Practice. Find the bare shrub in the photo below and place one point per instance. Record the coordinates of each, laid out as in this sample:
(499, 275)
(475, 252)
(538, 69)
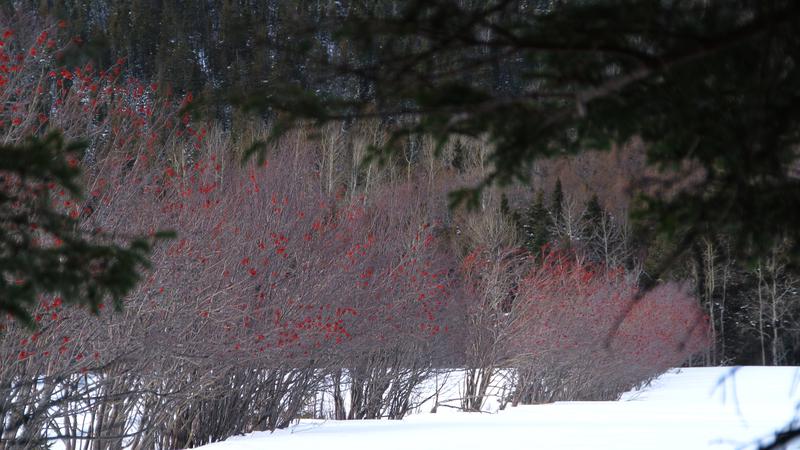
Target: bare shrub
(564, 313)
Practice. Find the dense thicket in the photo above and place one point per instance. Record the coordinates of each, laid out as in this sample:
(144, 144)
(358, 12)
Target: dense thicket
(259, 47)
(303, 278)
(43, 250)
(279, 294)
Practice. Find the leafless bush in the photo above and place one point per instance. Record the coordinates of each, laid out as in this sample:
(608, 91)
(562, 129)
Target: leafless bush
(564, 315)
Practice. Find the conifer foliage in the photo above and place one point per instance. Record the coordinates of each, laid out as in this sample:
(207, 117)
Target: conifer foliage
(710, 89)
(42, 248)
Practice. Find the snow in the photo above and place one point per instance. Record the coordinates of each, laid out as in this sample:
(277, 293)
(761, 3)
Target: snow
(693, 408)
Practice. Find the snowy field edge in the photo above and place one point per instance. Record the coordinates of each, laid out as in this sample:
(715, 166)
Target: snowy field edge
(689, 408)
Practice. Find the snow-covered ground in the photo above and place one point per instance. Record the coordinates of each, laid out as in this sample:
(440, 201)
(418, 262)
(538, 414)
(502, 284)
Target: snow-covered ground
(698, 408)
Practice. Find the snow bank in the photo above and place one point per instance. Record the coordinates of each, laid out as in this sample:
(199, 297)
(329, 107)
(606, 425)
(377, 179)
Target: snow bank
(697, 408)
